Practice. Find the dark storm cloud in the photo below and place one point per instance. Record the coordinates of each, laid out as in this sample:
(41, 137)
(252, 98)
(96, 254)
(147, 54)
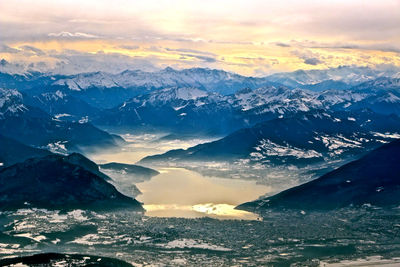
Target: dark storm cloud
(312, 61)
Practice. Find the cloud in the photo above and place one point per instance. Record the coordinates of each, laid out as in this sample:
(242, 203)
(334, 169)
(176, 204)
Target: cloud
(193, 51)
(6, 49)
(282, 44)
(380, 46)
(186, 53)
(72, 35)
(32, 49)
(308, 57)
(202, 58)
(237, 35)
(129, 47)
(73, 62)
(312, 61)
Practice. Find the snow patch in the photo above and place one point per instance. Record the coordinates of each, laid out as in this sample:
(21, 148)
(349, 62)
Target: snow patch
(84, 120)
(268, 148)
(338, 142)
(58, 147)
(37, 238)
(61, 115)
(78, 215)
(387, 135)
(192, 244)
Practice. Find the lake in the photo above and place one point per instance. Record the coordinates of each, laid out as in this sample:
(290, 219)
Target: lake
(178, 192)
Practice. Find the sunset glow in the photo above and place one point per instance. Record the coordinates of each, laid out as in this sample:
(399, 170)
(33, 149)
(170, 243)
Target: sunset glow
(256, 39)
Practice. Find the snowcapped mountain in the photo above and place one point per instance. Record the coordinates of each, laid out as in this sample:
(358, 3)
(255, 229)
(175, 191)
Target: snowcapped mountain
(207, 79)
(274, 99)
(85, 80)
(182, 109)
(106, 90)
(193, 110)
(210, 80)
(347, 74)
(183, 97)
(169, 94)
(382, 83)
(11, 103)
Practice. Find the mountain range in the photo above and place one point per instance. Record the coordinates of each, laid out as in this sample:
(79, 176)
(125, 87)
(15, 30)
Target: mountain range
(193, 110)
(58, 111)
(306, 137)
(325, 78)
(106, 90)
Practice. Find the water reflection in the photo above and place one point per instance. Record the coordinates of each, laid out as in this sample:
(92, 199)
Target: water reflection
(178, 192)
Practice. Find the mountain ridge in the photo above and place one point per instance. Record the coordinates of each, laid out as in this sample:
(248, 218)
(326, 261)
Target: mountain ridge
(371, 180)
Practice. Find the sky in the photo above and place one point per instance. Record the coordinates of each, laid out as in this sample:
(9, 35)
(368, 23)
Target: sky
(253, 38)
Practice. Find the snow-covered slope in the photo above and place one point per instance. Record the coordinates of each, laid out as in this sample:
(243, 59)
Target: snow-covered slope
(11, 103)
(382, 83)
(207, 79)
(175, 93)
(85, 80)
(347, 74)
(275, 100)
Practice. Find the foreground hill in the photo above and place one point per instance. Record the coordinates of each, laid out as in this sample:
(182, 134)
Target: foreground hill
(373, 179)
(56, 182)
(58, 259)
(12, 152)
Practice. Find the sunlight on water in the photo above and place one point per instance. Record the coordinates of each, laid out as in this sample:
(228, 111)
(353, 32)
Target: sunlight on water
(178, 192)
(224, 211)
(218, 211)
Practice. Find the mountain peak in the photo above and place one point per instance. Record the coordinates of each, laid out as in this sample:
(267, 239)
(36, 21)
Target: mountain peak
(11, 102)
